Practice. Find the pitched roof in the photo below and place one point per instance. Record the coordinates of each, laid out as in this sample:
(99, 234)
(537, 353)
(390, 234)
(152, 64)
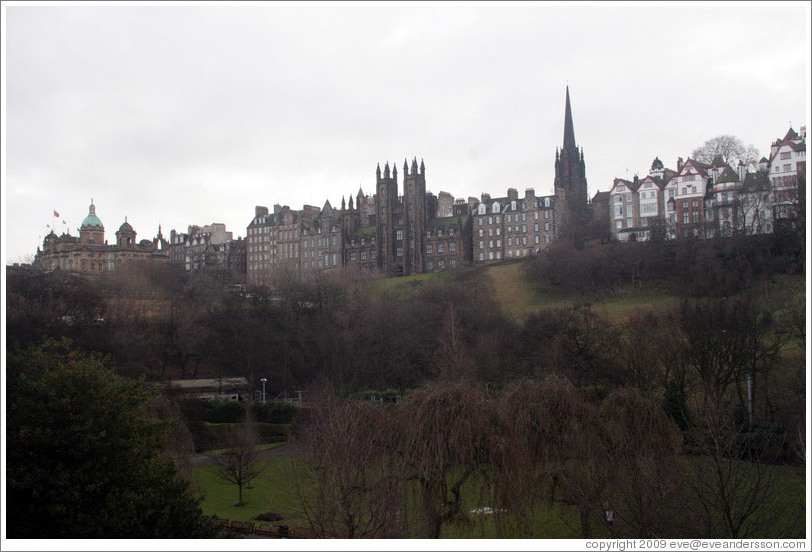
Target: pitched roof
(791, 134)
(756, 182)
(728, 175)
(619, 182)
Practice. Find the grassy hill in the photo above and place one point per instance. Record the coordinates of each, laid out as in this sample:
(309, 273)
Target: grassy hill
(520, 298)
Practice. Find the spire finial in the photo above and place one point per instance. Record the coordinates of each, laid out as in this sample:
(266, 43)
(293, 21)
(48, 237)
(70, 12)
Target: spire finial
(569, 131)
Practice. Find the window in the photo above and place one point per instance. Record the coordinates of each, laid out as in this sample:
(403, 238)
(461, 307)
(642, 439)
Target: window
(629, 210)
(440, 247)
(480, 221)
(524, 216)
(685, 217)
(429, 248)
(452, 246)
(787, 168)
(498, 231)
(694, 203)
(399, 252)
(482, 245)
(536, 215)
(537, 238)
(490, 231)
(695, 216)
(546, 226)
(618, 199)
(352, 255)
(481, 233)
(546, 214)
(490, 220)
(363, 255)
(786, 155)
(399, 235)
(547, 239)
(497, 219)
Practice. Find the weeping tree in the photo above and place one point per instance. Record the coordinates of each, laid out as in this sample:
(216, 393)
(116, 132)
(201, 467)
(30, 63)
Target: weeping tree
(558, 436)
(347, 487)
(444, 436)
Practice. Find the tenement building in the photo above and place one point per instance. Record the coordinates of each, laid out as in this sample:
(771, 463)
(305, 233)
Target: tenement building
(510, 227)
(207, 248)
(90, 254)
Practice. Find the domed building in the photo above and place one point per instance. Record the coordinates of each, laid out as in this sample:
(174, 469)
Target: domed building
(90, 254)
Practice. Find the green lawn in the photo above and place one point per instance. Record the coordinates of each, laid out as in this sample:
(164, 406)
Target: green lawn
(274, 491)
(271, 491)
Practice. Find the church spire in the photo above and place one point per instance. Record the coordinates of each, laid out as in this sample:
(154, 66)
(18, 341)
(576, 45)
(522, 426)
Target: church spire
(569, 130)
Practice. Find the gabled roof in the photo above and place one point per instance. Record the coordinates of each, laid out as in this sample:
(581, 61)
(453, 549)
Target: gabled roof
(791, 134)
(728, 175)
(622, 182)
(700, 167)
(756, 182)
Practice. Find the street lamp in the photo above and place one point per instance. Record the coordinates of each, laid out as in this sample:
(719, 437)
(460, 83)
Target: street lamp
(263, 380)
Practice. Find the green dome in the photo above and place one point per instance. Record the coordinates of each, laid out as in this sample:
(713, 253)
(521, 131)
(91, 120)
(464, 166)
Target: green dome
(91, 219)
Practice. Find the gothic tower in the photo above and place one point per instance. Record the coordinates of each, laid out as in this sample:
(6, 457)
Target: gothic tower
(570, 171)
(414, 206)
(386, 189)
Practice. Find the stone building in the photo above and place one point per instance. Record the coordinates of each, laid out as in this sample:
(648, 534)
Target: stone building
(207, 248)
(90, 254)
(509, 227)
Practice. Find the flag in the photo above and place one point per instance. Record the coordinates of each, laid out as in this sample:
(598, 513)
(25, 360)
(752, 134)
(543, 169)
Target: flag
(56, 214)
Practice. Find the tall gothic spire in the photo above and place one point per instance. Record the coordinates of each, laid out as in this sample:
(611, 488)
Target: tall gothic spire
(569, 130)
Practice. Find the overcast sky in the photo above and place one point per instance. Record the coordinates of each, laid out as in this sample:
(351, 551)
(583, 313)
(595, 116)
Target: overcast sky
(187, 114)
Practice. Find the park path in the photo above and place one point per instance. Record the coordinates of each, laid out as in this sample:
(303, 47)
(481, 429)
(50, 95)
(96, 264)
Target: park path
(288, 449)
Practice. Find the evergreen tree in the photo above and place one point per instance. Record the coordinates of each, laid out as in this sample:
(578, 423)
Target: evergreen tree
(86, 457)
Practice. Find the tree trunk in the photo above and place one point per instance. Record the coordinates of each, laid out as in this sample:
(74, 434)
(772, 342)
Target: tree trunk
(586, 525)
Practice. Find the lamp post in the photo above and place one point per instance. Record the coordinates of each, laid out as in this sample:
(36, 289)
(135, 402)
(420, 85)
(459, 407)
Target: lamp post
(263, 380)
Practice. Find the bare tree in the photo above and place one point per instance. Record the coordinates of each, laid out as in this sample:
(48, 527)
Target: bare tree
(347, 488)
(731, 148)
(733, 484)
(239, 462)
